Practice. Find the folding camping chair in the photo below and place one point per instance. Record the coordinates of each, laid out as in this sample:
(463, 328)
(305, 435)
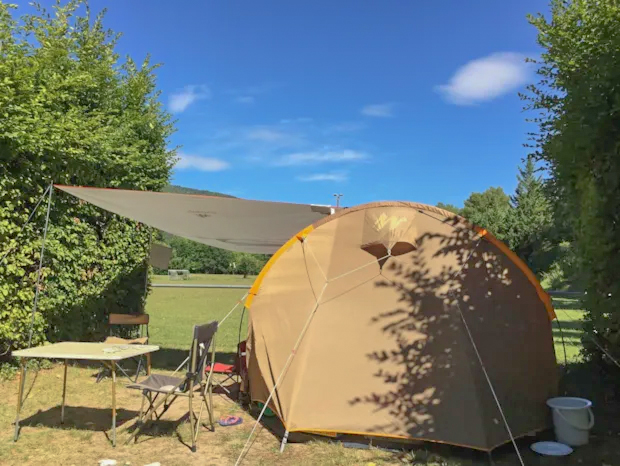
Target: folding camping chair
(128, 320)
(163, 390)
(230, 371)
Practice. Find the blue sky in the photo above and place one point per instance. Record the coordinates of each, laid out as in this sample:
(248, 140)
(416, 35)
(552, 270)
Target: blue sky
(294, 101)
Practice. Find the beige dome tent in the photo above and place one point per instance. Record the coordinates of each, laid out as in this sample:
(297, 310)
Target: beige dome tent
(401, 320)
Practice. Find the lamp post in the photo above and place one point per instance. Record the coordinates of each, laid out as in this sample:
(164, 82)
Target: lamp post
(338, 196)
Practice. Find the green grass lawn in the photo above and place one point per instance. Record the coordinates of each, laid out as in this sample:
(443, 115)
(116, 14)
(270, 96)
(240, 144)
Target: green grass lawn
(173, 313)
(203, 278)
(569, 315)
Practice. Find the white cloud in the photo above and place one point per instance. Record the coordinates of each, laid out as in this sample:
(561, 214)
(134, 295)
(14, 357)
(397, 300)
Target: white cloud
(249, 94)
(179, 101)
(245, 99)
(346, 127)
(317, 157)
(286, 121)
(205, 164)
(266, 134)
(332, 176)
(379, 110)
(486, 78)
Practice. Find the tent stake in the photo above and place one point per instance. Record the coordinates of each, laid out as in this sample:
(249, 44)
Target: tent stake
(284, 440)
(38, 285)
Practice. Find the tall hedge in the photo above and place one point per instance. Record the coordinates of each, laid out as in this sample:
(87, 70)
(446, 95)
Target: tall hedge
(72, 112)
(578, 100)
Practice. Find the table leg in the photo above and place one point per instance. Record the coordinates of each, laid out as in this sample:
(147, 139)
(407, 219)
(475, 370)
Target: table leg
(64, 395)
(148, 364)
(22, 381)
(113, 369)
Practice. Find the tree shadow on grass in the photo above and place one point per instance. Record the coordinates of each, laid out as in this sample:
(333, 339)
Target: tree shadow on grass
(568, 304)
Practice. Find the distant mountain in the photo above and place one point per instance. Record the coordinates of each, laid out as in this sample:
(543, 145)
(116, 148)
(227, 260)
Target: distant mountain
(171, 188)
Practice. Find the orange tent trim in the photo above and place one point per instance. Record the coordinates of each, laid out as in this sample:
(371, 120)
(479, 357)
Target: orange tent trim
(542, 294)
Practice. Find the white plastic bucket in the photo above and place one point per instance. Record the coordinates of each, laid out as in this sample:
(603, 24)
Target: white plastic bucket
(572, 419)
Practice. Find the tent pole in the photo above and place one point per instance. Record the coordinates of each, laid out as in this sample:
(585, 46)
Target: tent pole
(38, 284)
(284, 440)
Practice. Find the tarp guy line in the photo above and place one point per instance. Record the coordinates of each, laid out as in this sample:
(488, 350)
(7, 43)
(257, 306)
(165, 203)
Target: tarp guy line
(26, 223)
(38, 283)
(218, 326)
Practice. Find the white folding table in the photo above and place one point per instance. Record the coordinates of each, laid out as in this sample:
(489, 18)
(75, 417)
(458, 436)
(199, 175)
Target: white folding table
(107, 353)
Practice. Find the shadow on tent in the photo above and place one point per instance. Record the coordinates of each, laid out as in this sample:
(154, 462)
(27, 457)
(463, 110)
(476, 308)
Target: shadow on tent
(434, 352)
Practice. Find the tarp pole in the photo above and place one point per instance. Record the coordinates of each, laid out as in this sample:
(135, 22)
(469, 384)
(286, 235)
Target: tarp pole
(146, 271)
(6, 254)
(38, 284)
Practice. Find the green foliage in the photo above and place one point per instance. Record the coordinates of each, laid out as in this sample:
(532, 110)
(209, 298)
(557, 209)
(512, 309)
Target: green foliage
(72, 113)
(199, 258)
(577, 101)
(531, 219)
(249, 264)
(563, 273)
(491, 210)
(183, 190)
(450, 208)
(8, 370)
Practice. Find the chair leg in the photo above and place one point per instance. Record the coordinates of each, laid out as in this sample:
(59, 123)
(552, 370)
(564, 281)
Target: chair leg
(210, 389)
(148, 415)
(198, 424)
(138, 370)
(166, 407)
(101, 374)
(191, 414)
(142, 408)
(209, 411)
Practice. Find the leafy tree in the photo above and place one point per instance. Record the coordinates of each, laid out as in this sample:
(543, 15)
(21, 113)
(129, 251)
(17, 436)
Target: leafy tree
(450, 208)
(491, 210)
(71, 112)
(577, 105)
(530, 219)
(248, 264)
(199, 258)
(171, 188)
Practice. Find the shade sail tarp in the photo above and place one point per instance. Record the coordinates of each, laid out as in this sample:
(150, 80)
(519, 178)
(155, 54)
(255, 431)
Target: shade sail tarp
(228, 223)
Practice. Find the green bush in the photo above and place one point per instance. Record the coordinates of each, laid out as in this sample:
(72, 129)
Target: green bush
(577, 101)
(72, 113)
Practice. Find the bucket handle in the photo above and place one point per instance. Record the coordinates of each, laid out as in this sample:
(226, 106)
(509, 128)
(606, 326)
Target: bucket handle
(590, 422)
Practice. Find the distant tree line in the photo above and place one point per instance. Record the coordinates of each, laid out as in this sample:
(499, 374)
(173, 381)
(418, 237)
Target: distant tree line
(527, 223)
(200, 258)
